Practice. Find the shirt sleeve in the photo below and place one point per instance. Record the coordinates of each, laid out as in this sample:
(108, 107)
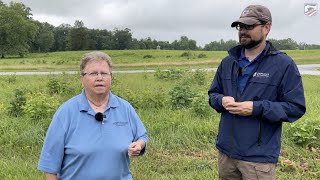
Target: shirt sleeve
(53, 147)
(138, 129)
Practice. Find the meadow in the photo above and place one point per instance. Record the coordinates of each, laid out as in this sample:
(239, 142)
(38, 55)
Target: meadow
(172, 105)
(136, 59)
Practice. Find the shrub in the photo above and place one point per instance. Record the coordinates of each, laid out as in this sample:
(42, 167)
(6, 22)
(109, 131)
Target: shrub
(17, 103)
(181, 96)
(41, 106)
(59, 85)
(147, 56)
(186, 54)
(153, 98)
(200, 77)
(171, 74)
(54, 86)
(201, 55)
(306, 133)
(200, 106)
(129, 96)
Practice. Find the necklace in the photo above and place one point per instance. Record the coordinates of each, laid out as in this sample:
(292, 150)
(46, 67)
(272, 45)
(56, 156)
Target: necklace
(95, 106)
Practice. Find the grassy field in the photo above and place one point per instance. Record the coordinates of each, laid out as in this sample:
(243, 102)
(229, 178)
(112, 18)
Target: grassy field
(136, 59)
(182, 140)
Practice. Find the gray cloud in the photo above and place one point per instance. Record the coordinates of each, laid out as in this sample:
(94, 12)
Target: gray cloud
(201, 20)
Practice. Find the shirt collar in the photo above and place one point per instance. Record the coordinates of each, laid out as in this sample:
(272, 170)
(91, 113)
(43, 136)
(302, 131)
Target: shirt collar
(84, 104)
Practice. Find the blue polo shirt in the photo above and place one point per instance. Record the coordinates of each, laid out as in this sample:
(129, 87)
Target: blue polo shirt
(79, 147)
(247, 67)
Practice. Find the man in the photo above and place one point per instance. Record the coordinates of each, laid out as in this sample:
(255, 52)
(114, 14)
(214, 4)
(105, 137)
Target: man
(255, 88)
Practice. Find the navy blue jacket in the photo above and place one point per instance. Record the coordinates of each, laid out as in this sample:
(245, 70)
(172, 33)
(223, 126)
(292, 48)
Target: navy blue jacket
(275, 87)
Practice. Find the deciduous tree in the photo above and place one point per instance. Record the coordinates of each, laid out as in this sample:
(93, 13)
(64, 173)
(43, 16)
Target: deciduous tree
(17, 29)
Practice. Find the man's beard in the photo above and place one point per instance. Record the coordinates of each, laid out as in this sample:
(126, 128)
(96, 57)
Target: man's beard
(249, 44)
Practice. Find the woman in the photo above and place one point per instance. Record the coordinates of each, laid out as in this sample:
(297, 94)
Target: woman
(92, 135)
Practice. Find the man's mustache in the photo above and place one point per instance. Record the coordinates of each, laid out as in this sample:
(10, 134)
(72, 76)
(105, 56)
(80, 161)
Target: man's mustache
(244, 36)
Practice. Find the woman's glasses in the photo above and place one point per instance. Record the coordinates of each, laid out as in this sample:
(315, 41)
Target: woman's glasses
(96, 74)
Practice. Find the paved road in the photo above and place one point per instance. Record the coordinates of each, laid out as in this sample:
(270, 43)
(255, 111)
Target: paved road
(310, 69)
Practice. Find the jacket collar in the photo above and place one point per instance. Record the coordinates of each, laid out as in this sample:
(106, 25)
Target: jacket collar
(235, 52)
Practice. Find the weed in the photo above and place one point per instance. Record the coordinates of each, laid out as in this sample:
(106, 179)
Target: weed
(147, 56)
(306, 133)
(17, 103)
(181, 96)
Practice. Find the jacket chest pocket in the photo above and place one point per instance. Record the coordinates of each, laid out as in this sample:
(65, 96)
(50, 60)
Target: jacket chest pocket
(228, 85)
(263, 88)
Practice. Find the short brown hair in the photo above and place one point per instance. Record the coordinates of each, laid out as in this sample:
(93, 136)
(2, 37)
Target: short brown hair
(94, 56)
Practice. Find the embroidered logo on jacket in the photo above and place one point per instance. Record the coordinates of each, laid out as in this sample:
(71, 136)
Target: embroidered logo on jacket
(260, 75)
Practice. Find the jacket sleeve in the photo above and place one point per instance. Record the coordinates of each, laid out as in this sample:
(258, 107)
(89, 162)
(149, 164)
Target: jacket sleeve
(290, 105)
(215, 92)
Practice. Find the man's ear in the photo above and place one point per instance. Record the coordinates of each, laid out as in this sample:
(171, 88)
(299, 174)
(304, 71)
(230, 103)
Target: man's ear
(268, 27)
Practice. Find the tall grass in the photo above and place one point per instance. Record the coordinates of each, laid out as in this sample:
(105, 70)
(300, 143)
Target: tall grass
(181, 142)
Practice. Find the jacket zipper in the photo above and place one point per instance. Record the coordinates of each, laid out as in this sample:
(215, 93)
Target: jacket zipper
(256, 98)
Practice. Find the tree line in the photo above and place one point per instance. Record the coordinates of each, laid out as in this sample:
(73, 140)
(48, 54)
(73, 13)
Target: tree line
(20, 34)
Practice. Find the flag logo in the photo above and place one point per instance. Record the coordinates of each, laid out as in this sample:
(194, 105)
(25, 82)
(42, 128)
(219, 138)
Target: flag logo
(310, 9)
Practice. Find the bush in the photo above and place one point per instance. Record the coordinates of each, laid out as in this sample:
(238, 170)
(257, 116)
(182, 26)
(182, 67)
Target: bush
(41, 106)
(54, 86)
(181, 96)
(153, 98)
(201, 55)
(306, 133)
(129, 96)
(200, 106)
(59, 85)
(200, 77)
(187, 54)
(17, 103)
(147, 56)
(170, 74)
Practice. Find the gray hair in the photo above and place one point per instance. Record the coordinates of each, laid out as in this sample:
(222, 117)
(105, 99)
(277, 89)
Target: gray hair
(95, 56)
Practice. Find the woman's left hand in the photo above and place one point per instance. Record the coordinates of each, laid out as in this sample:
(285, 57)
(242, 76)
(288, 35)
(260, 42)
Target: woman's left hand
(135, 148)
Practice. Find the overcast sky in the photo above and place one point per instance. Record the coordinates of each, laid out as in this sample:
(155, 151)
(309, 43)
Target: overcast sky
(168, 20)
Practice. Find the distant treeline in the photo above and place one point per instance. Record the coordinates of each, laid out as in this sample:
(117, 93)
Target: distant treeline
(20, 34)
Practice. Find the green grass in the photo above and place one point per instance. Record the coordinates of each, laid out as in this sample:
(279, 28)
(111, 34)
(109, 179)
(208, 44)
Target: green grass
(135, 59)
(181, 143)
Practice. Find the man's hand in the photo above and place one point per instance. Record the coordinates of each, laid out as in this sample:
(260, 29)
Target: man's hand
(135, 148)
(226, 101)
(240, 108)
